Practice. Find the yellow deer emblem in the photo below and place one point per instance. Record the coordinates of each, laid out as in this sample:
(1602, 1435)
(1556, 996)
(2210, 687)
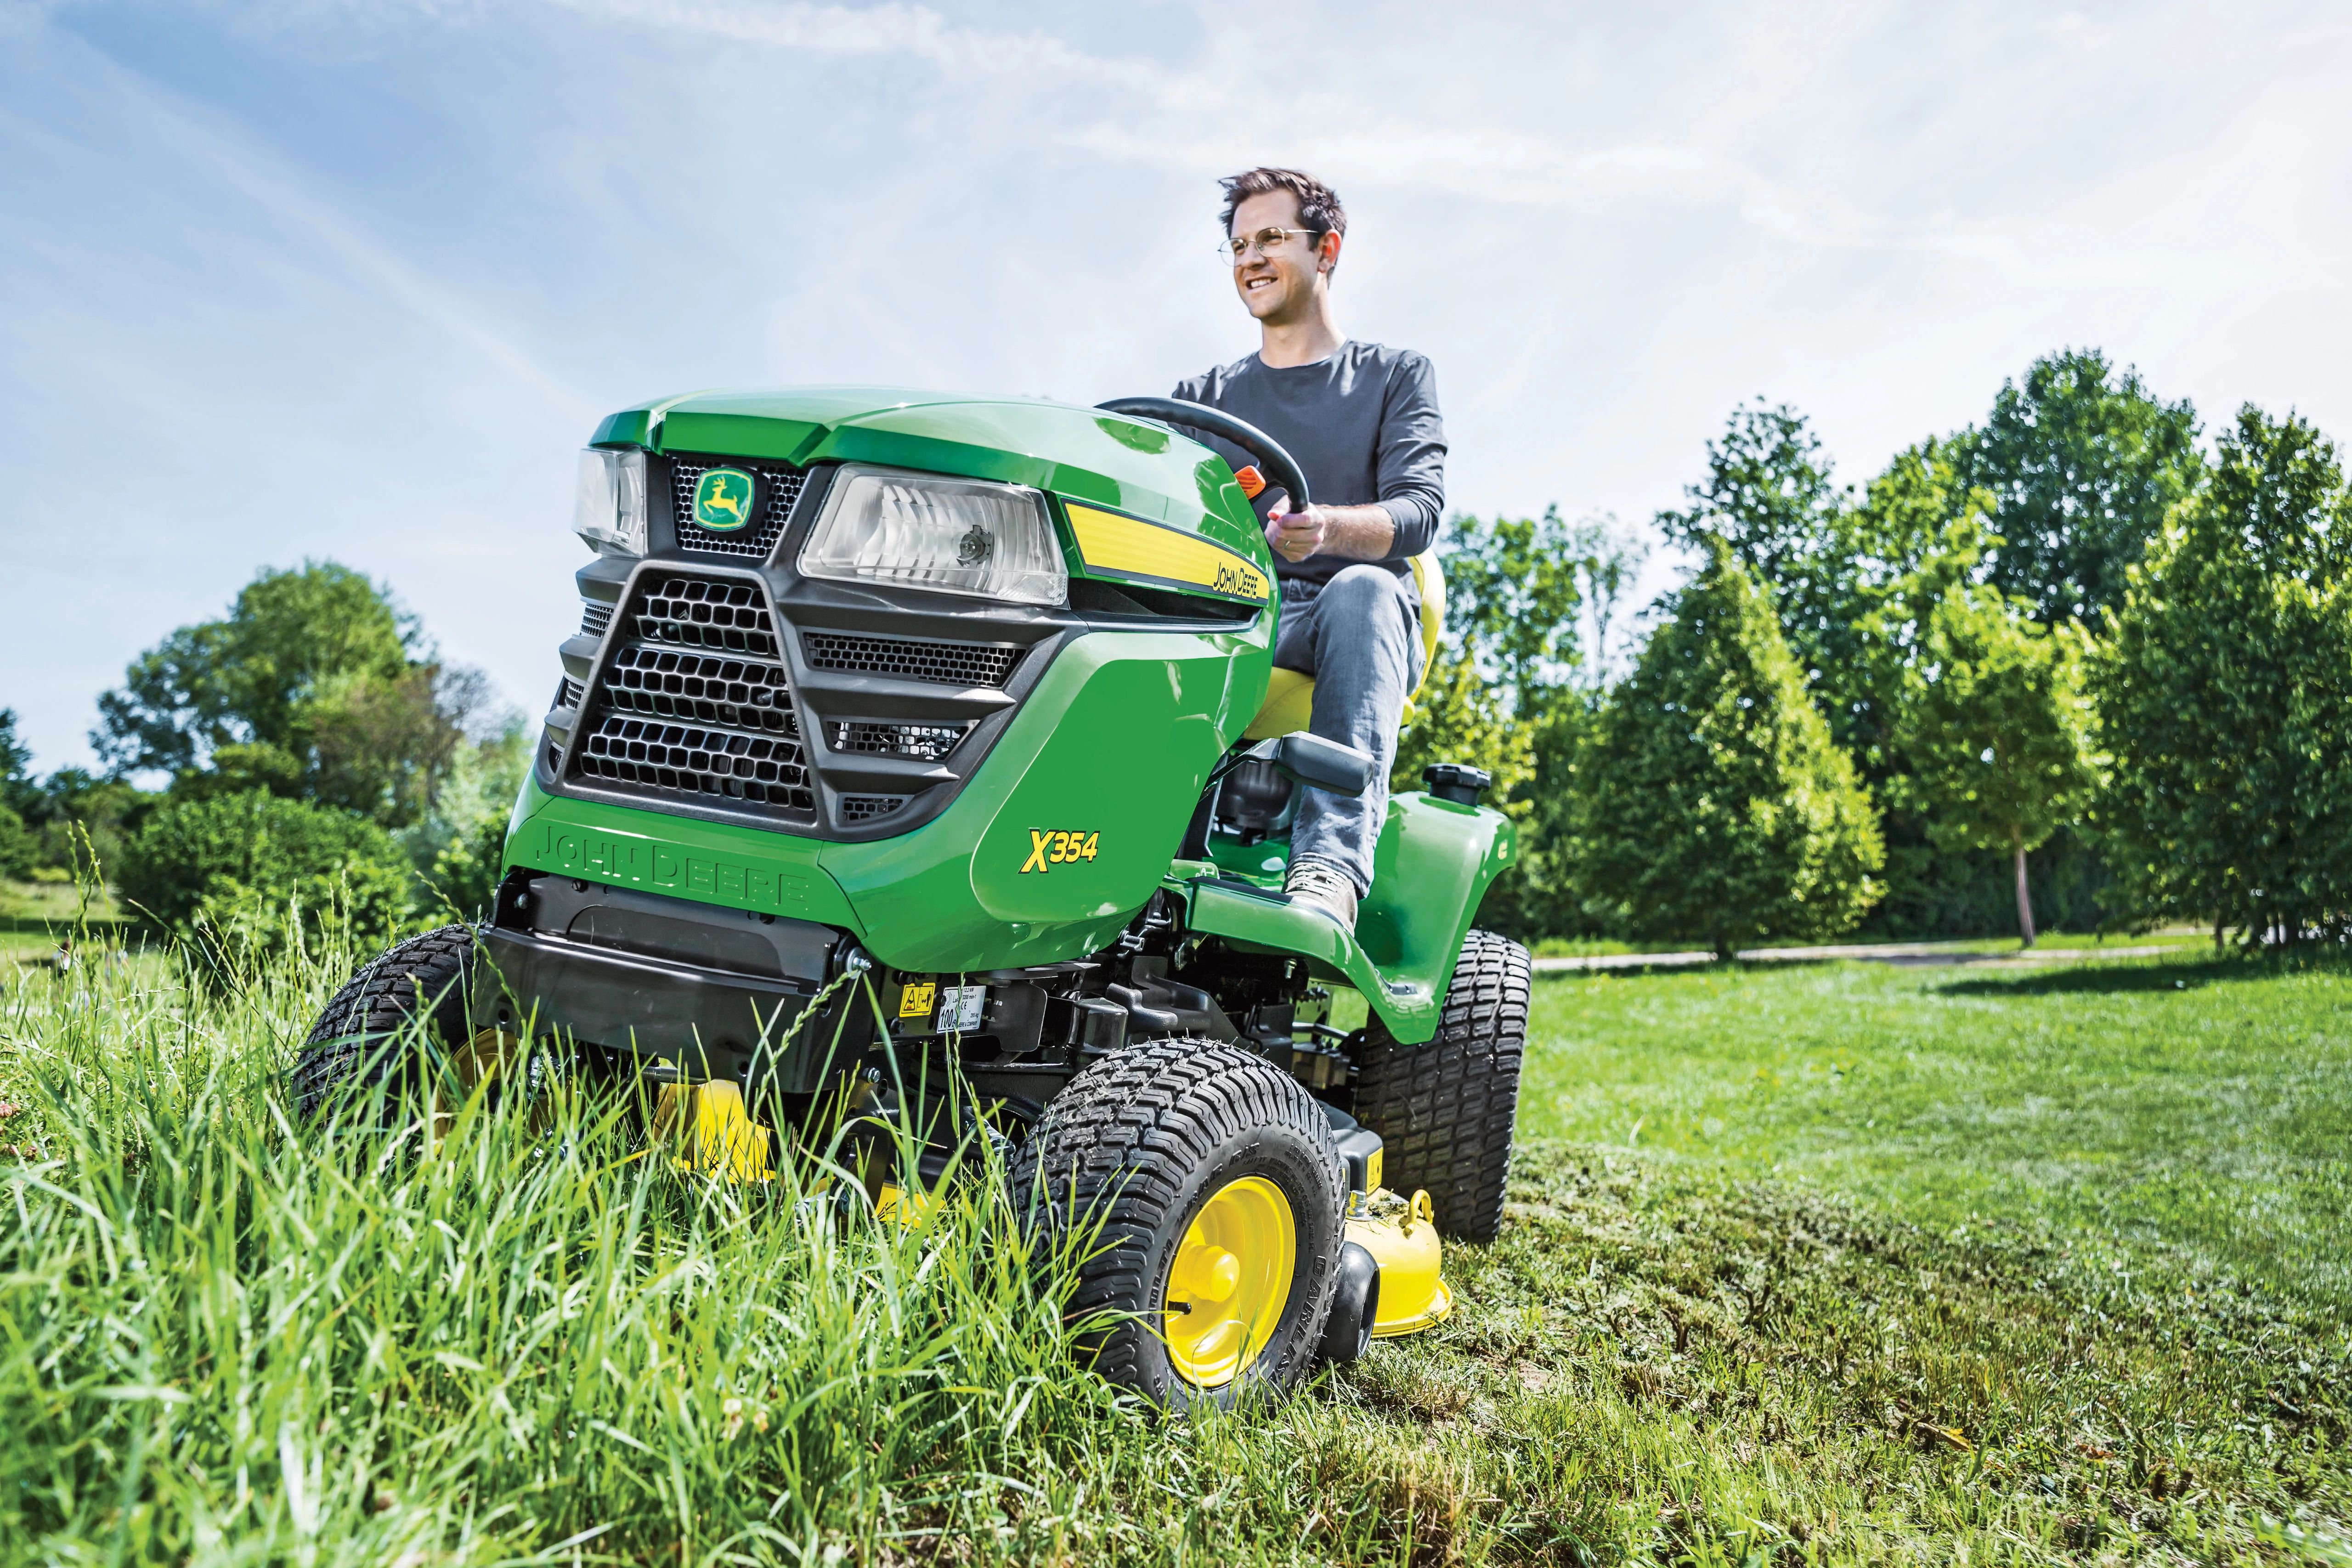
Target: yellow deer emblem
(720, 496)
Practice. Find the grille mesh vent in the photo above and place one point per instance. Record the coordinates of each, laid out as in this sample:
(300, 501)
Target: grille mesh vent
(928, 742)
(594, 618)
(694, 701)
(694, 760)
(866, 807)
(744, 694)
(948, 663)
(779, 486)
(702, 612)
(568, 695)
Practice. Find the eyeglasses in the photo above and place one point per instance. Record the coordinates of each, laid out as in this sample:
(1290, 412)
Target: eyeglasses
(1263, 242)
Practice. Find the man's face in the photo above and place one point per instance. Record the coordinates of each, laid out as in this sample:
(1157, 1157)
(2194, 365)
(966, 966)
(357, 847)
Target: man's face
(1277, 286)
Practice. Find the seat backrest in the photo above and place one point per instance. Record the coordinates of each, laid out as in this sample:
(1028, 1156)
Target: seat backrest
(1429, 577)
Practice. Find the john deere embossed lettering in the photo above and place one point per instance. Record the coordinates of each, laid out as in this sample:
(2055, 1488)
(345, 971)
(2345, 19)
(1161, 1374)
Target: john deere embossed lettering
(933, 715)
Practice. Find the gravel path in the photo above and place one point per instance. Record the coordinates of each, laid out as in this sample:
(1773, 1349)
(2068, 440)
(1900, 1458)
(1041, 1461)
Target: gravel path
(1907, 953)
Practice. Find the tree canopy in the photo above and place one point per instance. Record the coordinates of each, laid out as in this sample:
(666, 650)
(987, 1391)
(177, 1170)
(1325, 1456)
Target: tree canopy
(313, 684)
(2082, 464)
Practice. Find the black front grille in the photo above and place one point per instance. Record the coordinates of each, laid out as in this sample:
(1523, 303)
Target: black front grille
(948, 663)
(779, 486)
(568, 694)
(929, 742)
(867, 808)
(594, 618)
(693, 700)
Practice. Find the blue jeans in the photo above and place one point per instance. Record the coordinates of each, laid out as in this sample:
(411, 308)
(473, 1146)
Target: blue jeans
(1360, 637)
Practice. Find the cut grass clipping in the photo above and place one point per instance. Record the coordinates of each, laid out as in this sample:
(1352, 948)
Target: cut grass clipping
(1808, 1334)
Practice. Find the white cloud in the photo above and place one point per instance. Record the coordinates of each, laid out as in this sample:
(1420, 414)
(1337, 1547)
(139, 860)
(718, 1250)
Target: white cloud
(353, 278)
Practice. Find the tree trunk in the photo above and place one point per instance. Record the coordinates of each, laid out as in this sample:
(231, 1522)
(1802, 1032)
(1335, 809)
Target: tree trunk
(1723, 950)
(2025, 902)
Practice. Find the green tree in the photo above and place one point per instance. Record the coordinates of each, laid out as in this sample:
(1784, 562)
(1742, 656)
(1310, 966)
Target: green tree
(316, 664)
(1995, 730)
(1459, 717)
(1713, 801)
(17, 791)
(2082, 464)
(2225, 698)
(17, 844)
(77, 814)
(256, 868)
(1509, 687)
(1850, 580)
(458, 847)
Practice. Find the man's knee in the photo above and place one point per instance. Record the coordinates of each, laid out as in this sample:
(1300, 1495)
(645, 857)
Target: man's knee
(1366, 603)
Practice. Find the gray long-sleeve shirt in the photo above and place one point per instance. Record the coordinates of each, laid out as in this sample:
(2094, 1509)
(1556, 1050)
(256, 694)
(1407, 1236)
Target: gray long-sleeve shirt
(1363, 426)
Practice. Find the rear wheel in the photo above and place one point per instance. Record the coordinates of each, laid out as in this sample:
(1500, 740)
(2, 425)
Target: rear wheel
(1444, 1109)
(1202, 1186)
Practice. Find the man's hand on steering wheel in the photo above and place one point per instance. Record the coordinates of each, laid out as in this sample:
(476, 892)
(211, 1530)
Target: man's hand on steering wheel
(1352, 532)
(1295, 535)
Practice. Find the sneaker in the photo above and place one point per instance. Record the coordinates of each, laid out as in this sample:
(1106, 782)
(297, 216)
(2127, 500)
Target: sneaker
(1323, 887)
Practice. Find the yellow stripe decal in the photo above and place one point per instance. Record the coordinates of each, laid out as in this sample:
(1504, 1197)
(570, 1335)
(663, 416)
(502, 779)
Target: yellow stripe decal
(1131, 547)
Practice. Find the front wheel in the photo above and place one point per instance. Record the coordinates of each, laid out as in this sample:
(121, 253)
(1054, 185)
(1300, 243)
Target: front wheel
(415, 995)
(1201, 1191)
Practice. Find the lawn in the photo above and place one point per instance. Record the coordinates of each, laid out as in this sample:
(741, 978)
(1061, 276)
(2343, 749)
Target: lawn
(1808, 1263)
(33, 915)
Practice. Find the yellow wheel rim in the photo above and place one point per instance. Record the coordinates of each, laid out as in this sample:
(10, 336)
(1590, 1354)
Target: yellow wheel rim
(1230, 1281)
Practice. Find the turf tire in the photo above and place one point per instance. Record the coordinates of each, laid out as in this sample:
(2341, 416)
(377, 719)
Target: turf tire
(430, 974)
(1139, 1141)
(1444, 1110)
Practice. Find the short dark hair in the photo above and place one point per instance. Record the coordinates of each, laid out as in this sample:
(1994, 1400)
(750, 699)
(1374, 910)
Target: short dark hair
(1318, 204)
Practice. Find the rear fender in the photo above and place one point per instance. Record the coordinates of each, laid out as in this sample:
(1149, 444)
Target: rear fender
(1435, 862)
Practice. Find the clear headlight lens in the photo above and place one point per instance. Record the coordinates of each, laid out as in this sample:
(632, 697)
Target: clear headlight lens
(929, 530)
(609, 511)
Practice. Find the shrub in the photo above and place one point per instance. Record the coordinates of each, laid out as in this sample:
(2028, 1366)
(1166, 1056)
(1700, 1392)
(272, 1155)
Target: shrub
(255, 868)
(1712, 801)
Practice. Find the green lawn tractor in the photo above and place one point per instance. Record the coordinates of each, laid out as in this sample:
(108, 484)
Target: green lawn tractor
(967, 706)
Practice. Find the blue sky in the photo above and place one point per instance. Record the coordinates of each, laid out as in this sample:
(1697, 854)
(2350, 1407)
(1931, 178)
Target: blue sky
(301, 279)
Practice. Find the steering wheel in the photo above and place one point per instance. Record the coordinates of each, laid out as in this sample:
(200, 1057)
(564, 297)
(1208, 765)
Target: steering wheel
(1281, 472)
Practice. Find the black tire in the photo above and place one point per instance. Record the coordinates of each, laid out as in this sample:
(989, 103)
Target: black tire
(1137, 1144)
(1444, 1109)
(430, 974)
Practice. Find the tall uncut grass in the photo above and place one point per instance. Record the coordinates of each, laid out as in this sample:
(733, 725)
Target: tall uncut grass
(230, 1336)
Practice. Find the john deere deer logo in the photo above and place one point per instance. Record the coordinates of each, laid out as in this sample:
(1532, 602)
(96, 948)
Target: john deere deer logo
(722, 500)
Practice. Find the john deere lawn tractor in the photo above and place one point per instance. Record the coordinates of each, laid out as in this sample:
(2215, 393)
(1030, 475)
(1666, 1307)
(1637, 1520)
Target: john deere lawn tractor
(967, 706)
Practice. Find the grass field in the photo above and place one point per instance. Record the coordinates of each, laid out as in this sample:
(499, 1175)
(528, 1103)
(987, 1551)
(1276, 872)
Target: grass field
(1818, 1263)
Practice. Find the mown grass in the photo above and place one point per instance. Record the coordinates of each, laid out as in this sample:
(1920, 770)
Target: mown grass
(1899, 1266)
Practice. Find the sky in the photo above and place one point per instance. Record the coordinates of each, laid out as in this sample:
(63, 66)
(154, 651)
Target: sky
(296, 279)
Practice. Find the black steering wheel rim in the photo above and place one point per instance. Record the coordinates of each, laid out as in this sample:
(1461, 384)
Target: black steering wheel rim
(1282, 472)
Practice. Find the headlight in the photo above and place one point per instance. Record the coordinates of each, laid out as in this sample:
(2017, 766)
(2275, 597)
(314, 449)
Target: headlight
(947, 535)
(610, 509)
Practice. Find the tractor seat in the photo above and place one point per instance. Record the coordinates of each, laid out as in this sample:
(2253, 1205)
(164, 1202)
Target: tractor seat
(1290, 695)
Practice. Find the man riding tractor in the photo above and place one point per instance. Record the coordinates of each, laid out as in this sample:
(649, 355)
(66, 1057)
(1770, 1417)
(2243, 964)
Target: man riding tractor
(915, 746)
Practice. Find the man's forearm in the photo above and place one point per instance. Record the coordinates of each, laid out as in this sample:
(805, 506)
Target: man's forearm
(1351, 532)
(1359, 533)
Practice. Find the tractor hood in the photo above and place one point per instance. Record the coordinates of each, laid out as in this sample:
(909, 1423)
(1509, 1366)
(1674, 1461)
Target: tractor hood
(1083, 454)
